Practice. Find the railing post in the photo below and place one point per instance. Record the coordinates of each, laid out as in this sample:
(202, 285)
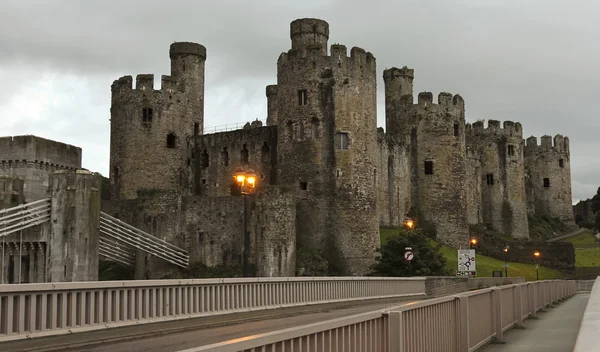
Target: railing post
(463, 323)
(532, 292)
(395, 333)
(497, 309)
(518, 306)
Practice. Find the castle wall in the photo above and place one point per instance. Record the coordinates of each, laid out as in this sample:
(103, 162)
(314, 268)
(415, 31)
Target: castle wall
(393, 180)
(152, 130)
(33, 159)
(222, 153)
(584, 215)
(548, 170)
(327, 143)
(500, 153)
(473, 180)
(11, 192)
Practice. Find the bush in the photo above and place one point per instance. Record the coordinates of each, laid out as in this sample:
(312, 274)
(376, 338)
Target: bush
(427, 261)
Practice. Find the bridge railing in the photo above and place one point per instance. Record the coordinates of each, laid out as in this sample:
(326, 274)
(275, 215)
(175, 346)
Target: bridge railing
(31, 310)
(462, 322)
(587, 338)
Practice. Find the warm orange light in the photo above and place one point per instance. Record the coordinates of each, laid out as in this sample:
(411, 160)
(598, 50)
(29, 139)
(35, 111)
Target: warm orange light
(409, 223)
(240, 177)
(536, 254)
(505, 250)
(245, 179)
(473, 241)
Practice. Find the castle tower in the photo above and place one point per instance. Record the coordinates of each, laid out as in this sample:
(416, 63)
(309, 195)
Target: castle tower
(548, 177)
(499, 178)
(437, 153)
(152, 130)
(271, 105)
(327, 141)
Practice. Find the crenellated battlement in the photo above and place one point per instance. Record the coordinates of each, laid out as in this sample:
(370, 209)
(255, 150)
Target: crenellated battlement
(144, 84)
(187, 48)
(509, 128)
(312, 55)
(394, 72)
(559, 143)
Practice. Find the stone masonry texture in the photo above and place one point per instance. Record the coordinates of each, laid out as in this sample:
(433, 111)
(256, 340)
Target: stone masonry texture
(328, 178)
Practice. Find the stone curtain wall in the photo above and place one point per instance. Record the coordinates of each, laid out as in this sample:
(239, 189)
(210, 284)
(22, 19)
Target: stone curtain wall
(33, 159)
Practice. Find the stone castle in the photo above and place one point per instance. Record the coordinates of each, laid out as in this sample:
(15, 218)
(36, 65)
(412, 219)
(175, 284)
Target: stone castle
(328, 177)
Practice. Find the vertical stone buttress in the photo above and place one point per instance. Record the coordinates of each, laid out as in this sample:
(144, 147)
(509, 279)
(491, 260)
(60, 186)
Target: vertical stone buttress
(275, 220)
(72, 247)
(151, 130)
(501, 177)
(327, 143)
(548, 171)
(436, 145)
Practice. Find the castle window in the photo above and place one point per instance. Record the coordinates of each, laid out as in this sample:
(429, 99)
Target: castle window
(341, 140)
(456, 129)
(303, 188)
(302, 97)
(428, 167)
(147, 116)
(205, 161)
(196, 128)
(115, 175)
(561, 162)
(489, 179)
(171, 140)
(511, 150)
(301, 130)
(264, 151)
(546, 182)
(225, 157)
(244, 155)
(375, 176)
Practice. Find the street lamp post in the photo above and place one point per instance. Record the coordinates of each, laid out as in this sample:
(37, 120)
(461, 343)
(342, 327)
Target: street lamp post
(537, 254)
(246, 181)
(505, 261)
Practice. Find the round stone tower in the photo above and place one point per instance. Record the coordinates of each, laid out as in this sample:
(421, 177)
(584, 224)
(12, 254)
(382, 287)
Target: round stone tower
(326, 118)
(152, 130)
(398, 86)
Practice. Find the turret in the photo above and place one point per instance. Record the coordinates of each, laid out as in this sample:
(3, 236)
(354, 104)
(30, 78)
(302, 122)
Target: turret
(398, 92)
(309, 33)
(271, 104)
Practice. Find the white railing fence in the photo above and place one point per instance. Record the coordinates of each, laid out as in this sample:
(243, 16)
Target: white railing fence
(462, 322)
(587, 338)
(31, 310)
(24, 216)
(116, 252)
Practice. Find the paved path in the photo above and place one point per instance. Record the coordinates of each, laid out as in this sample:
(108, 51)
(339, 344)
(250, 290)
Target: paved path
(554, 331)
(184, 334)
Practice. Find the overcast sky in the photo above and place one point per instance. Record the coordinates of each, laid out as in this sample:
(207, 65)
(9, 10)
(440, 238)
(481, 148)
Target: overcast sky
(537, 62)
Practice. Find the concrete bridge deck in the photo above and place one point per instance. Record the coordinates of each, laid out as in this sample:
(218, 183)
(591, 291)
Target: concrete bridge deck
(554, 331)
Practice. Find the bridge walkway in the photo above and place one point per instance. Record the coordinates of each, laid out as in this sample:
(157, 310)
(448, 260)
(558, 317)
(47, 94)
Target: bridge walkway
(554, 331)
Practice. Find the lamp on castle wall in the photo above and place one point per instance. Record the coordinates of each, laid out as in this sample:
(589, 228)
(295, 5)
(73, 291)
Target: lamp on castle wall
(473, 243)
(505, 261)
(245, 182)
(409, 223)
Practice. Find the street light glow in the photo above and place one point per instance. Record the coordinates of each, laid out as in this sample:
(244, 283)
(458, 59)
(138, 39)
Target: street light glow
(536, 254)
(409, 223)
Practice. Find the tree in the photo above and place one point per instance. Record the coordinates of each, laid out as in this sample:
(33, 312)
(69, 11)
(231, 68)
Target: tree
(596, 201)
(428, 261)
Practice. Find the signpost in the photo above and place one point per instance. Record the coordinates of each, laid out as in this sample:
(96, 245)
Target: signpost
(466, 262)
(409, 256)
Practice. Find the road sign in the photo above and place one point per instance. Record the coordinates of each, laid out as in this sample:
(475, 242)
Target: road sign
(408, 255)
(466, 260)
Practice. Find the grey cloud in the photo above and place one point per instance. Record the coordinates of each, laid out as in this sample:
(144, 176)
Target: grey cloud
(531, 62)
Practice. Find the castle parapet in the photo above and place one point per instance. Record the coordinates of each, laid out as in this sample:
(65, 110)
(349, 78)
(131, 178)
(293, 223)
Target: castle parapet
(395, 72)
(557, 143)
(187, 48)
(509, 128)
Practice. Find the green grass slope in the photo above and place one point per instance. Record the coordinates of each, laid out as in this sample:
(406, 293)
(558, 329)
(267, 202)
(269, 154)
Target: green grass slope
(485, 265)
(586, 254)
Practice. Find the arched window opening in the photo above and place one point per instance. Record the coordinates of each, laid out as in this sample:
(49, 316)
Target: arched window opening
(264, 151)
(244, 155)
(225, 157)
(314, 130)
(205, 160)
(171, 140)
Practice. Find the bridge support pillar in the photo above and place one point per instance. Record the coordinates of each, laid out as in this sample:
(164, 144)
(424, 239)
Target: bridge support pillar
(72, 246)
(141, 265)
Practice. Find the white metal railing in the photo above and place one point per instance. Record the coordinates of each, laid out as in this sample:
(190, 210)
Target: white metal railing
(462, 323)
(229, 127)
(24, 216)
(585, 286)
(136, 238)
(115, 251)
(35, 310)
(587, 338)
